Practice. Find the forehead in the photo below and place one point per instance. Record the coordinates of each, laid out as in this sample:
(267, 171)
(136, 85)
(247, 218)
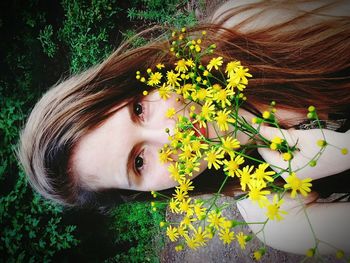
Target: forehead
(99, 159)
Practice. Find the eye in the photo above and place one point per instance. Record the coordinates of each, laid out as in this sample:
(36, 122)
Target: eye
(138, 109)
(138, 162)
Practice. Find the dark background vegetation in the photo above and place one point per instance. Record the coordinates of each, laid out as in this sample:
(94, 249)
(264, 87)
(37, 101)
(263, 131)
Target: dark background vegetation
(42, 42)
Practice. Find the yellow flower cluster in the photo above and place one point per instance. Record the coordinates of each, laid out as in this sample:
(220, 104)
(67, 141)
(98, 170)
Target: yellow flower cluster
(213, 90)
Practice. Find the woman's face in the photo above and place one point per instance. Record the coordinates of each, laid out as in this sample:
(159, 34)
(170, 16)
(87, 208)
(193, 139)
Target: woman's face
(123, 152)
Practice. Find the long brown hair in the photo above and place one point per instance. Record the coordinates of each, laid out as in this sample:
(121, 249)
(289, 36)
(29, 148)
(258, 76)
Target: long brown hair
(292, 64)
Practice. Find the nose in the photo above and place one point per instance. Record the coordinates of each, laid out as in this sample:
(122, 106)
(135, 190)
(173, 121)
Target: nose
(158, 132)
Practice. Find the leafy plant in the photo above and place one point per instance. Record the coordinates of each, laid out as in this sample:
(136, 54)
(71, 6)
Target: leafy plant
(85, 31)
(171, 13)
(137, 229)
(45, 37)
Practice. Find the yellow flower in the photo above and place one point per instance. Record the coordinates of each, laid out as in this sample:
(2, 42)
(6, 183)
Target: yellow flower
(164, 91)
(190, 63)
(154, 78)
(233, 82)
(261, 174)
(275, 143)
(257, 255)
(205, 73)
(321, 143)
(296, 184)
(339, 254)
(214, 157)
(273, 209)
(172, 233)
(174, 205)
(202, 94)
(310, 252)
(160, 66)
(277, 140)
(174, 171)
(180, 195)
(215, 220)
(245, 176)
(214, 63)
(222, 96)
(191, 165)
(199, 210)
(242, 240)
(256, 192)
(186, 153)
(230, 68)
(181, 66)
(287, 156)
(187, 221)
(197, 146)
(223, 119)
(242, 73)
(226, 235)
(170, 112)
(164, 155)
(186, 185)
(186, 207)
(191, 242)
(173, 78)
(179, 248)
(182, 230)
(232, 165)
(229, 144)
(200, 236)
(185, 90)
(208, 110)
(266, 115)
(226, 223)
(273, 146)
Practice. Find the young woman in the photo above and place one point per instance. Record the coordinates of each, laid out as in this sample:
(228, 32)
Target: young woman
(94, 133)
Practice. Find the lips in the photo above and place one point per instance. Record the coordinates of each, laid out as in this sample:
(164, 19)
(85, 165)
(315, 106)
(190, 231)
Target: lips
(200, 131)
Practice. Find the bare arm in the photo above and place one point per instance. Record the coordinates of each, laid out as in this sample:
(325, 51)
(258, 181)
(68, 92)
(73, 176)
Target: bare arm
(329, 221)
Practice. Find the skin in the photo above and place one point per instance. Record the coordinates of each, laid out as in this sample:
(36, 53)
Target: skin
(100, 158)
(106, 165)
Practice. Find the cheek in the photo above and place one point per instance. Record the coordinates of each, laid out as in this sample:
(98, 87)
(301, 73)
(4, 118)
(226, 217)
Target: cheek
(160, 178)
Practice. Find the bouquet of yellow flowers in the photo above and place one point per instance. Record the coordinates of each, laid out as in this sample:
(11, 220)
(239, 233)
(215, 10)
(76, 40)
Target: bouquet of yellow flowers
(214, 93)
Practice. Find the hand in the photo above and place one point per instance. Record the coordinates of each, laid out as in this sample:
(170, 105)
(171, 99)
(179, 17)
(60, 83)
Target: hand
(331, 161)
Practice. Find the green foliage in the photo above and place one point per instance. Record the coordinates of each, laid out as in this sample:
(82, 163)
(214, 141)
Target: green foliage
(137, 228)
(32, 231)
(85, 31)
(171, 13)
(45, 37)
(137, 41)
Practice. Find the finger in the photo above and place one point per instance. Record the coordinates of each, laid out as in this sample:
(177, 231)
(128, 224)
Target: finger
(273, 158)
(272, 132)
